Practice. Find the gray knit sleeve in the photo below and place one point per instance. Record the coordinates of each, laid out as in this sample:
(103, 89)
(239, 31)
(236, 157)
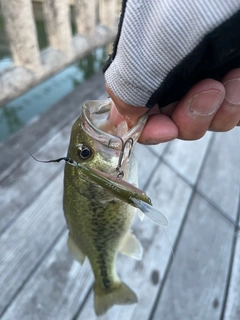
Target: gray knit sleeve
(165, 46)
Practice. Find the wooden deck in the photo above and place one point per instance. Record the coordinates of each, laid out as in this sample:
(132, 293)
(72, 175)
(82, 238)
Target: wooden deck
(190, 269)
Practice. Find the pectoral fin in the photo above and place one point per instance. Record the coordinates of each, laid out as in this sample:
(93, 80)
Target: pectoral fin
(75, 251)
(131, 246)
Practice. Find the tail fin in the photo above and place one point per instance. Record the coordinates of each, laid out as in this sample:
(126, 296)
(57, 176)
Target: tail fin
(121, 294)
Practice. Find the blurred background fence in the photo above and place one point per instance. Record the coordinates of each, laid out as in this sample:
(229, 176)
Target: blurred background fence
(73, 27)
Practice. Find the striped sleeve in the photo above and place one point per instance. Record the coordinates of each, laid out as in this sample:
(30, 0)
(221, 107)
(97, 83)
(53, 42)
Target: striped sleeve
(163, 47)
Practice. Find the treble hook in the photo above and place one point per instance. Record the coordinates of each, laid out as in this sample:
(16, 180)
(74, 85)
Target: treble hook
(119, 169)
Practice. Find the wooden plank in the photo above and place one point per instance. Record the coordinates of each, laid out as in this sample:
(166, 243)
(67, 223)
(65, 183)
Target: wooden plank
(205, 246)
(148, 159)
(220, 178)
(30, 178)
(232, 308)
(160, 148)
(197, 281)
(145, 276)
(56, 289)
(186, 156)
(25, 242)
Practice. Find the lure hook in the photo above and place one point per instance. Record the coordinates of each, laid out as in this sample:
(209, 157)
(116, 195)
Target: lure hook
(119, 170)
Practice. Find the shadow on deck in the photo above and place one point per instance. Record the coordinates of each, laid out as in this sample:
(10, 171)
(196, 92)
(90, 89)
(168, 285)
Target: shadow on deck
(196, 185)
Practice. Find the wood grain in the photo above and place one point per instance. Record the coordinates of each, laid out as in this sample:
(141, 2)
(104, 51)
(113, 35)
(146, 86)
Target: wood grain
(27, 240)
(55, 290)
(197, 281)
(232, 307)
(220, 178)
(186, 157)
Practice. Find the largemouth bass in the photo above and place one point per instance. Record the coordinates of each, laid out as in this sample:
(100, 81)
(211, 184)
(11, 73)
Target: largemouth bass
(101, 197)
(99, 222)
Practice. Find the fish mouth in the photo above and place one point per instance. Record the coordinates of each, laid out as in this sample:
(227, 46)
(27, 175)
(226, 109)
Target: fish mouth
(97, 123)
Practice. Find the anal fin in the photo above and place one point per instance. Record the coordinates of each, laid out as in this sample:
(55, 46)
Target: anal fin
(75, 251)
(131, 246)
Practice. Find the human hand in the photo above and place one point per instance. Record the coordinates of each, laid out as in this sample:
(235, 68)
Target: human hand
(208, 105)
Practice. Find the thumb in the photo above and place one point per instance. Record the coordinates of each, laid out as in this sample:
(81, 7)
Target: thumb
(122, 111)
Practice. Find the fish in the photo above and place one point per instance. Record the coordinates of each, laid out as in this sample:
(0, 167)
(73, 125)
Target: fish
(101, 197)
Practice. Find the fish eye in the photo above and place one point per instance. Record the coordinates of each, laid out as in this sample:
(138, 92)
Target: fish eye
(84, 152)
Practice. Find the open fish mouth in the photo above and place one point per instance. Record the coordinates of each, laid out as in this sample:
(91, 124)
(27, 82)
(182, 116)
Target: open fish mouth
(98, 124)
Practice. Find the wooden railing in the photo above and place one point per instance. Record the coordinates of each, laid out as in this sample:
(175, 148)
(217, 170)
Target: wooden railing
(95, 22)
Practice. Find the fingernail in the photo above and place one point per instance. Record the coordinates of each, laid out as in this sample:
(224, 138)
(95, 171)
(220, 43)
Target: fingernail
(233, 91)
(205, 103)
